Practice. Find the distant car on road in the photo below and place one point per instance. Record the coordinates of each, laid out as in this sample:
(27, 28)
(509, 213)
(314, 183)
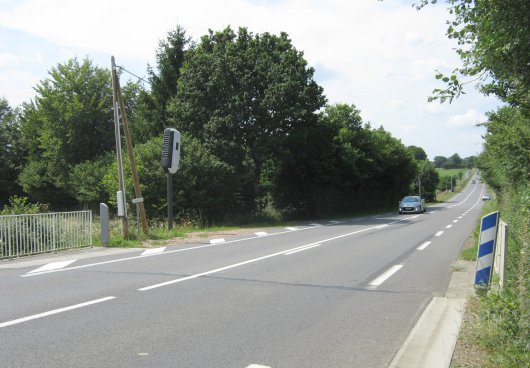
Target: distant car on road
(472, 181)
(486, 197)
(412, 204)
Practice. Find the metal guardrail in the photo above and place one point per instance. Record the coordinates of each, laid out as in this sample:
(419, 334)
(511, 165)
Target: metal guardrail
(22, 235)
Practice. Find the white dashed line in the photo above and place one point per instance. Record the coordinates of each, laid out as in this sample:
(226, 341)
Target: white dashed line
(306, 247)
(55, 311)
(455, 221)
(53, 266)
(424, 245)
(439, 233)
(385, 276)
(149, 252)
(449, 226)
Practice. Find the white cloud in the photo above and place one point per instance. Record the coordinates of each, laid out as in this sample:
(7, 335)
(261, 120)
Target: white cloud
(434, 107)
(396, 104)
(8, 58)
(470, 118)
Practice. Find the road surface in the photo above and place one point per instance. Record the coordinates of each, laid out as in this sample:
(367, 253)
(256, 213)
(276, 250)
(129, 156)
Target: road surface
(342, 293)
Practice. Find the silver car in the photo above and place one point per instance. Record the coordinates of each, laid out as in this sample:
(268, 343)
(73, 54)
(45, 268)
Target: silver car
(412, 204)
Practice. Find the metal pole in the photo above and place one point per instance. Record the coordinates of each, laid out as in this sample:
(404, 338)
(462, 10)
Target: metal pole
(169, 201)
(124, 223)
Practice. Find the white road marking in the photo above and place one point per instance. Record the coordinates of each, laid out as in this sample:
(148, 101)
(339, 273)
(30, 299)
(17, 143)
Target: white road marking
(336, 222)
(191, 277)
(424, 245)
(315, 224)
(306, 247)
(392, 270)
(217, 241)
(449, 226)
(149, 252)
(261, 233)
(258, 366)
(53, 266)
(55, 311)
(439, 233)
(455, 221)
(290, 228)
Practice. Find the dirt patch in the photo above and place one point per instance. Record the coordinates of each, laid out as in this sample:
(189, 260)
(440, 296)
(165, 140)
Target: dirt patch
(205, 236)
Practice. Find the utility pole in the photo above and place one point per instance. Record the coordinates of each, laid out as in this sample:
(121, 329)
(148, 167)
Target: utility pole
(136, 182)
(121, 181)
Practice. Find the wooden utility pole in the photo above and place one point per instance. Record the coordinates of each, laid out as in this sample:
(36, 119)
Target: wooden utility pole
(136, 182)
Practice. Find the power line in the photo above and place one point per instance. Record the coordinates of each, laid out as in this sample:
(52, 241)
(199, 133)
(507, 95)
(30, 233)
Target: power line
(134, 75)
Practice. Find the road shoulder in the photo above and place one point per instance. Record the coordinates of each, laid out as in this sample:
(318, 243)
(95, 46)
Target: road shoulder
(432, 340)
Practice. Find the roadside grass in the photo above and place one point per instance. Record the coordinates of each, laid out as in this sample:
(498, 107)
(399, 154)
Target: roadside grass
(458, 185)
(494, 332)
(158, 233)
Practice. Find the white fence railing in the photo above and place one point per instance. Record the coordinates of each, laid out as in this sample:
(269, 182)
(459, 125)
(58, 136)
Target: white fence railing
(22, 235)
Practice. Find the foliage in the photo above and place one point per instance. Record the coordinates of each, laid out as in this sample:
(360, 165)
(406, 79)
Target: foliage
(429, 180)
(87, 180)
(203, 184)
(70, 122)
(21, 206)
(243, 96)
(11, 151)
(505, 161)
(418, 153)
(493, 41)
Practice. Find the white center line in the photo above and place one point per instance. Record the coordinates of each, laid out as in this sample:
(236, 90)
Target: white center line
(302, 249)
(455, 221)
(449, 226)
(439, 233)
(424, 245)
(191, 277)
(55, 311)
(392, 270)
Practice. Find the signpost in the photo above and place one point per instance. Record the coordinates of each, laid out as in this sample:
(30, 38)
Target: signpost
(486, 248)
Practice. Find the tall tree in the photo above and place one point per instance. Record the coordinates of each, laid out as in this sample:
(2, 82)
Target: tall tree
(151, 116)
(71, 121)
(245, 96)
(439, 161)
(11, 152)
(418, 153)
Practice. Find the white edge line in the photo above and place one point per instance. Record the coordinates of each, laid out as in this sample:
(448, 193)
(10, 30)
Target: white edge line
(424, 245)
(261, 233)
(217, 241)
(55, 311)
(387, 274)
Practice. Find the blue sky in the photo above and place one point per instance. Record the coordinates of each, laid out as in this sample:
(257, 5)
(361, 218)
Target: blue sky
(378, 55)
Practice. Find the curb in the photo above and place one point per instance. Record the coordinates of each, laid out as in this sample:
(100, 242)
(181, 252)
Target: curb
(432, 341)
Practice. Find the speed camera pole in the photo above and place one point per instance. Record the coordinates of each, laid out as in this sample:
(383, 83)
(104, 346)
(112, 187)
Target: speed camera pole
(169, 201)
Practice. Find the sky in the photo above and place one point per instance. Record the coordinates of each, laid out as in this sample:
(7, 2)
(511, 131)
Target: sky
(380, 56)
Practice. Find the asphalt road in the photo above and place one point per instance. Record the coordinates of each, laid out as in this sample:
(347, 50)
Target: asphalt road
(342, 293)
